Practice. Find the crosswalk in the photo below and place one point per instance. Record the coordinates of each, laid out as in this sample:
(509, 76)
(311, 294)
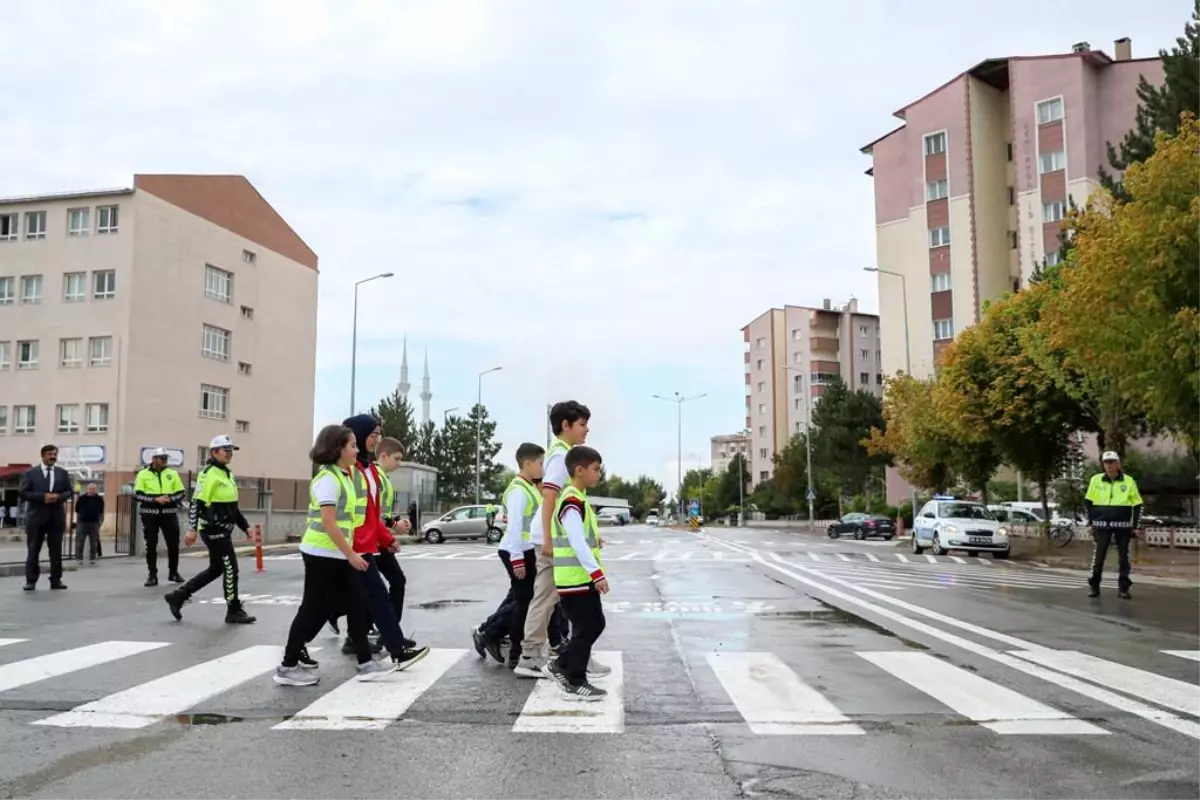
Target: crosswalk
(764, 693)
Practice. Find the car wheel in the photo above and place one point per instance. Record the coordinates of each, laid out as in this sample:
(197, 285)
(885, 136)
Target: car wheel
(833, 534)
(937, 548)
(916, 548)
(434, 536)
(494, 535)
(1001, 554)
(858, 534)
(887, 537)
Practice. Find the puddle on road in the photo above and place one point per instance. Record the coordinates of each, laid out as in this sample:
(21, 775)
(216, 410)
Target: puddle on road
(205, 719)
(832, 615)
(437, 605)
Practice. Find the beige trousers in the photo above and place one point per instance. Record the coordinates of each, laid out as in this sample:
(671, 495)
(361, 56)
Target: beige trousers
(545, 596)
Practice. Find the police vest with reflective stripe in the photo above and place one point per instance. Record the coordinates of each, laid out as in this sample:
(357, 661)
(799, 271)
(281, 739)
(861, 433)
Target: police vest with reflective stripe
(531, 506)
(217, 488)
(567, 569)
(557, 446)
(387, 493)
(315, 535)
(362, 492)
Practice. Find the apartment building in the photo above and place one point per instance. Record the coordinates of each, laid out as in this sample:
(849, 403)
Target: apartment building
(971, 189)
(158, 315)
(792, 354)
(722, 449)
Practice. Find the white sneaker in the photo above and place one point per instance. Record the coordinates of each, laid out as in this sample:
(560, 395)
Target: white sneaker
(530, 667)
(295, 676)
(597, 670)
(374, 670)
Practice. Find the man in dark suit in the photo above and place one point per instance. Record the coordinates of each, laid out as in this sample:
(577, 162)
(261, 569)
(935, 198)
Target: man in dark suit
(45, 489)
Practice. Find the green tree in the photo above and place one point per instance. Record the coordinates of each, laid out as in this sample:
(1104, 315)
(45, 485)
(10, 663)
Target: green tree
(841, 422)
(479, 423)
(395, 415)
(921, 447)
(728, 493)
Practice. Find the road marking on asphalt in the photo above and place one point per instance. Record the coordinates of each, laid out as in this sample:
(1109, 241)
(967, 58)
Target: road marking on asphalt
(878, 585)
(373, 705)
(549, 710)
(40, 668)
(958, 560)
(4, 642)
(773, 699)
(686, 556)
(978, 699)
(902, 557)
(1166, 692)
(979, 560)
(931, 559)
(872, 557)
(147, 703)
(814, 557)
(843, 556)
(1193, 655)
(627, 557)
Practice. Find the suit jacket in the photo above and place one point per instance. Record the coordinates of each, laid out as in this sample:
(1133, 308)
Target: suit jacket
(33, 490)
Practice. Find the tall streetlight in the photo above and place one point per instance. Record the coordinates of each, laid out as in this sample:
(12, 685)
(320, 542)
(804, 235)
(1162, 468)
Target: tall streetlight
(354, 335)
(679, 400)
(479, 425)
(446, 414)
(809, 494)
(907, 351)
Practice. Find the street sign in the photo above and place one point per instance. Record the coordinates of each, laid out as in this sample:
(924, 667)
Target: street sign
(812, 495)
(694, 508)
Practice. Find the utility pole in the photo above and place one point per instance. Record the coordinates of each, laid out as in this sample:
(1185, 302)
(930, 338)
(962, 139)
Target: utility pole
(679, 400)
(478, 427)
(354, 336)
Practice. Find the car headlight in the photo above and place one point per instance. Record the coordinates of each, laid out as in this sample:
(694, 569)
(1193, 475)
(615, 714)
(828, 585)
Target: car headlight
(1002, 531)
(950, 528)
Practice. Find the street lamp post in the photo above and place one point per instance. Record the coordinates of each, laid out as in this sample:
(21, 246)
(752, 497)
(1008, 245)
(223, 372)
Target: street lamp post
(679, 400)
(478, 426)
(446, 414)
(809, 494)
(907, 351)
(354, 335)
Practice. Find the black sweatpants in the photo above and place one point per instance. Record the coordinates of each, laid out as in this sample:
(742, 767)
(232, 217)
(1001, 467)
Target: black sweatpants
(379, 606)
(1101, 538)
(328, 583)
(389, 568)
(522, 593)
(497, 625)
(587, 623)
(166, 522)
(222, 563)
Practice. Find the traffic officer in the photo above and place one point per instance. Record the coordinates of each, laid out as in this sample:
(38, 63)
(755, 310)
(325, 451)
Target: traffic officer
(159, 491)
(1114, 508)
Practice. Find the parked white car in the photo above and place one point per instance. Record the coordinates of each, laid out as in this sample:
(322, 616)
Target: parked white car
(946, 523)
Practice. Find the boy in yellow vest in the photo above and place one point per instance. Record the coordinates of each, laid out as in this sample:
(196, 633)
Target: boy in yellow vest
(578, 574)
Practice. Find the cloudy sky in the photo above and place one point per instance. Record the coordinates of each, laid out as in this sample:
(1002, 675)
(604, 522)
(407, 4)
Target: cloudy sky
(596, 196)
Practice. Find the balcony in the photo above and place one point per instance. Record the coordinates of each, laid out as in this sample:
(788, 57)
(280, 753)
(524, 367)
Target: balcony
(823, 344)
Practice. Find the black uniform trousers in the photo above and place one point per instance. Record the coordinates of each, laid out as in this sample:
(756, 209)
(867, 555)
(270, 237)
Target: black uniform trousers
(522, 593)
(222, 563)
(1101, 538)
(165, 522)
(48, 532)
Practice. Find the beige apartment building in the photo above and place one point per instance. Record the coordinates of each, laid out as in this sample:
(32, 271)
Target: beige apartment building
(792, 354)
(160, 315)
(723, 447)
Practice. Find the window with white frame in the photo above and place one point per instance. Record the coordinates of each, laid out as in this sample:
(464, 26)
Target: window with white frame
(1053, 211)
(935, 143)
(215, 343)
(760, 342)
(241, 426)
(68, 419)
(762, 408)
(244, 368)
(943, 329)
(799, 427)
(1052, 161)
(106, 219)
(940, 282)
(214, 402)
(10, 225)
(79, 221)
(762, 430)
(247, 312)
(1052, 258)
(863, 378)
(863, 330)
(31, 289)
(104, 284)
(1050, 111)
(249, 257)
(798, 383)
(939, 236)
(936, 190)
(1013, 241)
(100, 350)
(70, 352)
(864, 354)
(35, 224)
(762, 452)
(762, 475)
(97, 417)
(27, 354)
(799, 403)
(24, 419)
(74, 287)
(762, 387)
(5, 355)
(218, 283)
(3, 420)
(824, 378)
(797, 358)
(797, 334)
(8, 290)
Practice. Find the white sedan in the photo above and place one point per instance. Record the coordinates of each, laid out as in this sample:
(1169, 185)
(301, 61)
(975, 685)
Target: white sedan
(947, 523)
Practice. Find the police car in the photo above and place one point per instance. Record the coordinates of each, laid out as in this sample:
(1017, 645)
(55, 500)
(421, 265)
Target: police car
(947, 523)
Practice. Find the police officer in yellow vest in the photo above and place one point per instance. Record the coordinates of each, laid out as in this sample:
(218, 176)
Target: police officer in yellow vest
(158, 491)
(1114, 508)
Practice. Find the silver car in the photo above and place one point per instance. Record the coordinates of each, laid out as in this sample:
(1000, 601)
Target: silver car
(464, 522)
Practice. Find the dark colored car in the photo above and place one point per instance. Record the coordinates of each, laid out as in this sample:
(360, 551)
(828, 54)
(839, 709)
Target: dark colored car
(863, 526)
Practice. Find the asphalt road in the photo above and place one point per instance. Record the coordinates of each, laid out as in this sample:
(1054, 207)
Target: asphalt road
(746, 663)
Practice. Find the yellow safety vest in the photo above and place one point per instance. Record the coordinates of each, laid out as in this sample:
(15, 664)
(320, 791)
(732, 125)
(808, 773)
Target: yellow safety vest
(315, 535)
(567, 569)
(361, 492)
(519, 484)
(215, 485)
(387, 493)
(165, 481)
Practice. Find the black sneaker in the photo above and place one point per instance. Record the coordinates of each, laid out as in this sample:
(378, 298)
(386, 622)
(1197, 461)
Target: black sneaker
(584, 692)
(175, 602)
(495, 649)
(151, 581)
(58, 587)
(513, 661)
(407, 657)
(1094, 592)
(476, 639)
(175, 577)
(306, 661)
(30, 587)
(409, 644)
(1125, 595)
(236, 615)
(348, 646)
(555, 673)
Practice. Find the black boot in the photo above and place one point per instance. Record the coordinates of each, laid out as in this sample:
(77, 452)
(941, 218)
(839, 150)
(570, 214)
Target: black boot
(175, 577)
(175, 601)
(236, 615)
(151, 581)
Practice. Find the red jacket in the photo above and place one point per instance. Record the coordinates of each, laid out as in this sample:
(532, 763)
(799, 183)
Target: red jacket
(372, 536)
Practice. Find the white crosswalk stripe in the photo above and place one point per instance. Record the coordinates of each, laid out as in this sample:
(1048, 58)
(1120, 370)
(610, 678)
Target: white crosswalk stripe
(1166, 692)
(42, 668)
(548, 710)
(1191, 655)
(773, 699)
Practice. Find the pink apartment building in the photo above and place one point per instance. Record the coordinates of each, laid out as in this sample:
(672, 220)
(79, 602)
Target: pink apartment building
(971, 188)
(160, 315)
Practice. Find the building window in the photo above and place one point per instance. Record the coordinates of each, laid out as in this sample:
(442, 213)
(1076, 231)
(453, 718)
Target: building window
(1050, 111)
(247, 312)
(1008, 150)
(863, 330)
(864, 354)
(35, 224)
(762, 387)
(762, 475)
(31, 289)
(104, 284)
(762, 408)
(24, 419)
(74, 287)
(215, 343)
(5, 355)
(762, 430)
(214, 402)
(100, 351)
(936, 190)
(249, 257)
(241, 426)
(68, 419)
(1052, 162)
(1053, 211)
(759, 365)
(3, 420)
(863, 378)
(939, 236)
(879, 379)
(935, 143)
(202, 455)
(218, 284)
(762, 452)
(8, 290)
(798, 383)
(9, 225)
(799, 403)
(79, 221)
(760, 343)
(27, 354)
(797, 334)
(824, 378)
(943, 329)
(243, 368)
(70, 352)
(1013, 242)
(97, 417)
(1052, 258)
(940, 281)
(106, 219)
(1012, 196)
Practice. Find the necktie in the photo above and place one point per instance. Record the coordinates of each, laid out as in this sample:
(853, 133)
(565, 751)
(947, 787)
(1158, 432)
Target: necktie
(49, 479)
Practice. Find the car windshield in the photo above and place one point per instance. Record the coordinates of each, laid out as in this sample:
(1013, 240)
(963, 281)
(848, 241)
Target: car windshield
(964, 511)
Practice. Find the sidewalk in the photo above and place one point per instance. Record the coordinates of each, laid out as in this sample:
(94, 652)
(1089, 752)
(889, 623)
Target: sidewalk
(1160, 562)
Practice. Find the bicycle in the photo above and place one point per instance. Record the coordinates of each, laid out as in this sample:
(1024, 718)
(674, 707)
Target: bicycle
(1061, 533)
